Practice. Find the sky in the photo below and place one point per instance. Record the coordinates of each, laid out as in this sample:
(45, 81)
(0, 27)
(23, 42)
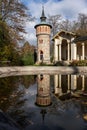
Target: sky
(69, 9)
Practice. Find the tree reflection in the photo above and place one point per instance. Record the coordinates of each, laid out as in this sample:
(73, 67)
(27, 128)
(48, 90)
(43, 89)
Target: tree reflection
(7, 86)
(11, 91)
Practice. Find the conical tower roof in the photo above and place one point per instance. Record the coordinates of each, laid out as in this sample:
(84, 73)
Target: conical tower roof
(43, 17)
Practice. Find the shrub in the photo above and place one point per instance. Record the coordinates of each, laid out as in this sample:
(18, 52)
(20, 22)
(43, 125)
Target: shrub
(28, 59)
(79, 63)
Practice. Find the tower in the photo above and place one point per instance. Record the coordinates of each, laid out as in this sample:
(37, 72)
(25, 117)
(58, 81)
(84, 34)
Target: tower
(43, 31)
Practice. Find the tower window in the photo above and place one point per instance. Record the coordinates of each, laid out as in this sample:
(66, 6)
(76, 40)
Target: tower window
(41, 55)
(41, 77)
(41, 41)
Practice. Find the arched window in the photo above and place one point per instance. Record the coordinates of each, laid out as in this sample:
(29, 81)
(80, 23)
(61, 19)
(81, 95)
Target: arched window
(41, 55)
(41, 77)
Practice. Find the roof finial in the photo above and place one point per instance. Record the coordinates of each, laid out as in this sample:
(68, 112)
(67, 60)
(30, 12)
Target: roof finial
(43, 10)
(43, 18)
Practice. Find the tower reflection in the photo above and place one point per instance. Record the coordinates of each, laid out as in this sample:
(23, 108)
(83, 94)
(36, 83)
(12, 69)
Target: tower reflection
(43, 97)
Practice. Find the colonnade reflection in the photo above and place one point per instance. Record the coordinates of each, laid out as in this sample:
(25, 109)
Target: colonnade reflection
(63, 84)
(66, 83)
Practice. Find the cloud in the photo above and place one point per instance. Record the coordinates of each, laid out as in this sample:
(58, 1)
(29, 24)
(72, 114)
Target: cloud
(30, 35)
(63, 7)
(30, 38)
(67, 8)
(73, 8)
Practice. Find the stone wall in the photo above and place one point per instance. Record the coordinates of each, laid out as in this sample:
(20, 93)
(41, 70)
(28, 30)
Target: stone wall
(43, 43)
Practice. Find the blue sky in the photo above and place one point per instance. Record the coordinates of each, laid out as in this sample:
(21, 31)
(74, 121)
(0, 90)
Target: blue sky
(69, 9)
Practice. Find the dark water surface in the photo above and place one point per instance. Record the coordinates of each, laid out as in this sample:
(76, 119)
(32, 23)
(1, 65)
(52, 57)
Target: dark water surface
(45, 102)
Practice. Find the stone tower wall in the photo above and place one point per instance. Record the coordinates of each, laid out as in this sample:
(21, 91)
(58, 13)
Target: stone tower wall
(44, 45)
(43, 42)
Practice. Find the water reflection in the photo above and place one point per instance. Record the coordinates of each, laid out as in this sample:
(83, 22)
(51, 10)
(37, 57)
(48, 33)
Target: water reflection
(73, 84)
(46, 101)
(43, 97)
(65, 87)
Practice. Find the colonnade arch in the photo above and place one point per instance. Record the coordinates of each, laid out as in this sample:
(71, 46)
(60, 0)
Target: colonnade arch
(64, 54)
(68, 46)
(62, 50)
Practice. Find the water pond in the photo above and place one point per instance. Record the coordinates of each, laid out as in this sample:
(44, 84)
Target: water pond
(45, 102)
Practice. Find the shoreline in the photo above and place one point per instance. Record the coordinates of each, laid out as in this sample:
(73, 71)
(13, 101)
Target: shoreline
(32, 70)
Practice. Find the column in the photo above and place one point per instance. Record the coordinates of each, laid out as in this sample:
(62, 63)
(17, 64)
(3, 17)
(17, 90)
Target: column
(83, 51)
(83, 82)
(75, 81)
(60, 89)
(55, 52)
(59, 52)
(68, 51)
(69, 87)
(59, 81)
(75, 51)
(56, 83)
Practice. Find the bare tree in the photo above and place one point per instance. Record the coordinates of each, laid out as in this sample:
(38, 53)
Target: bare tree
(65, 25)
(82, 22)
(54, 20)
(74, 26)
(14, 13)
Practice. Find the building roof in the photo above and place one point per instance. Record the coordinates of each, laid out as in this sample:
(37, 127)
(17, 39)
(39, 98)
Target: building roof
(43, 19)
(77, 38)
(63, 32)
(80, 39)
